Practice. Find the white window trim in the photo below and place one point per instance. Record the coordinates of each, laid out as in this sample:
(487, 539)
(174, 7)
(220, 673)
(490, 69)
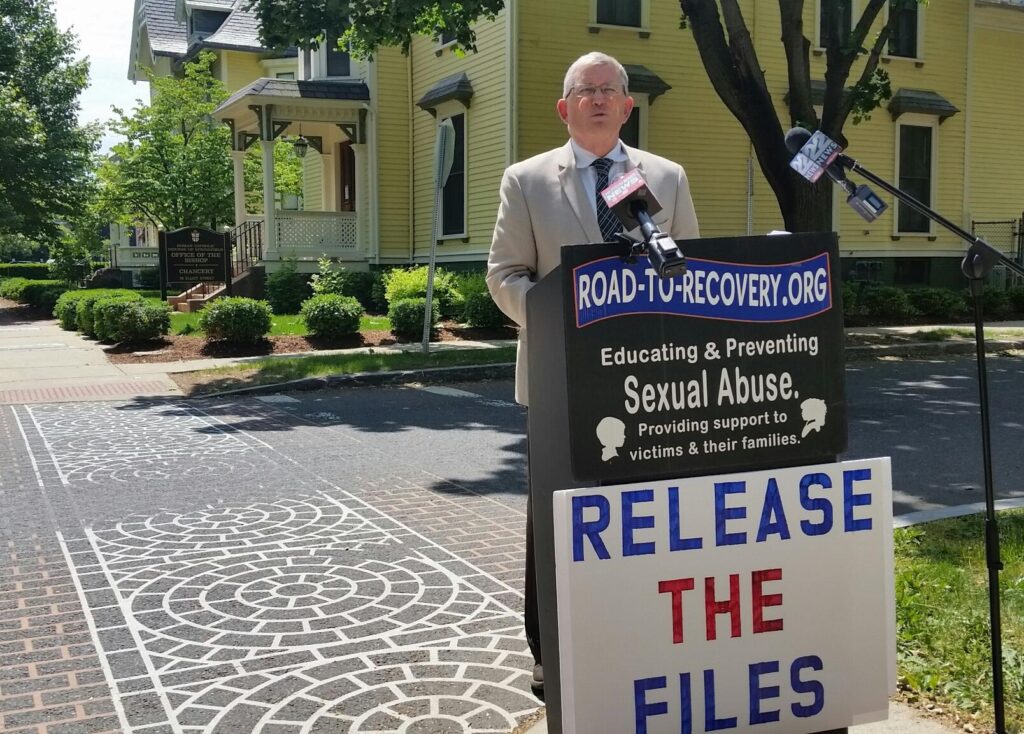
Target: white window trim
(446, 110)
(645, 19)
(642, 103)
(919, 59)
(274, 67)
(917, 120)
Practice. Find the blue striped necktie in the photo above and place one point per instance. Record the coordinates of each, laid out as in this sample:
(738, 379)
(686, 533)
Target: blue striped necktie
(606, 219)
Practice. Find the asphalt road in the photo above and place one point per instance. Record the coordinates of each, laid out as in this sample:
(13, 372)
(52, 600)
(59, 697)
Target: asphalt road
(923, 414)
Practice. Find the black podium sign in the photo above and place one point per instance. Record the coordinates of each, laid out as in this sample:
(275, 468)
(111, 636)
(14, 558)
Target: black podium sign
(737, 364)
(195, 255)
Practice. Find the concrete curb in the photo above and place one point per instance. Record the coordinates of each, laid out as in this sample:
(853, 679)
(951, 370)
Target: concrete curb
(465, 373)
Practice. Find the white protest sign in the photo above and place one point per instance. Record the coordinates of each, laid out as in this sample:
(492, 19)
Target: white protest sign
(754, 602)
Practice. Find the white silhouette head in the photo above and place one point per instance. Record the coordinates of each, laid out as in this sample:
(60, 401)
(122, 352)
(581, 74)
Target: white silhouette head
(813, 411)
(611, 432)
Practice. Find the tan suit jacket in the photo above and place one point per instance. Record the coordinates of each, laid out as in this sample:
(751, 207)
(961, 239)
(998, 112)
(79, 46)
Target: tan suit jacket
(544, 205)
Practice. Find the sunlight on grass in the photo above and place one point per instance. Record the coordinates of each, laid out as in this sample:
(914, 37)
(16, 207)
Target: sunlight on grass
(942, 614)
(266, 371)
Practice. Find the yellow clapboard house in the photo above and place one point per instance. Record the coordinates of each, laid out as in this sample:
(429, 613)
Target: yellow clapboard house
(947, 133)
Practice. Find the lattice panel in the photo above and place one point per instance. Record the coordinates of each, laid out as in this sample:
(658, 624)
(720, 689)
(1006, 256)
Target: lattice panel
(317, 231)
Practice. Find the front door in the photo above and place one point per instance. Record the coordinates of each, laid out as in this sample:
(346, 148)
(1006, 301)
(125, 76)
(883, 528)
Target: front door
(347, 178)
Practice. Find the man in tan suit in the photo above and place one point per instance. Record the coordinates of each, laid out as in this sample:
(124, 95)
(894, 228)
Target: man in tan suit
(552, 200)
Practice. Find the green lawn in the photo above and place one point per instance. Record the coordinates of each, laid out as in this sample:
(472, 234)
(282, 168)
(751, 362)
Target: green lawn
(280, 325)
(942, 615)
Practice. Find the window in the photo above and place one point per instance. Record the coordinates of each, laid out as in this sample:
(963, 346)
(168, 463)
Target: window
(903, 41)
(915, 173)
(453, 207)
(338, 62)
(835, 21)
(619, 12)
(204, 22)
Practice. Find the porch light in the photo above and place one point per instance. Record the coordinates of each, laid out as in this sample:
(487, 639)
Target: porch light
(301, 147)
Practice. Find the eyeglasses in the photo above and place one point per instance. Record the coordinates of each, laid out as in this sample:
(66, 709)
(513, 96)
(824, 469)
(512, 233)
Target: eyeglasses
(589, 92)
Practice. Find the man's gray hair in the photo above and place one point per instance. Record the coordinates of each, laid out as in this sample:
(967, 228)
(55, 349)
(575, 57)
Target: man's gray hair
(594, 58)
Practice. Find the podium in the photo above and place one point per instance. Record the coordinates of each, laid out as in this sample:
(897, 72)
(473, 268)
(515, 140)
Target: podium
(737, 366)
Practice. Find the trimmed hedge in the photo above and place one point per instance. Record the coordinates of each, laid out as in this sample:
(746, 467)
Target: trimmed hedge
(85, 305)
(886, 302)
(238, 320)
(937, 303)
(42, 294)
(118, 319)
(29, 271)
(332, 316)
(65, 309)
(407, 317)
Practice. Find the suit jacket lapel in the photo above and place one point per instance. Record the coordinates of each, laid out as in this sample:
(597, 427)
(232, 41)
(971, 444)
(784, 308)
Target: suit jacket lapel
(575, 192)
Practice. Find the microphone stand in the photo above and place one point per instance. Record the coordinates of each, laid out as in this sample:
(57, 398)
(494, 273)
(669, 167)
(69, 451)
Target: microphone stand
(981, 257)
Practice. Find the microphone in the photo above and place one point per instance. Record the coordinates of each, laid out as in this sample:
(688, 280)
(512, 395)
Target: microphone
(816, 154)
(633, 202)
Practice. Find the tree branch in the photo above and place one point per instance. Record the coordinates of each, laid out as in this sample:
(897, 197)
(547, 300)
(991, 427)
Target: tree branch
(866, 73)
(798, 47)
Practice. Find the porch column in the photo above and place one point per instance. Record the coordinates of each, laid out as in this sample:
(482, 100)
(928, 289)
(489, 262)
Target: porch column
(330, 175)
(269, 211)
(364, 202)
(238, 159)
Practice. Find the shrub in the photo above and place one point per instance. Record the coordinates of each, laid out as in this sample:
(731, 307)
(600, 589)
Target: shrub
(42, 294)
(12, 288)
(478, 308)
(329, 280)
(849, 292)
(239, 320)
(1016, 296)
(287, 289)
(995, 303)
(28, 271)
(406, 317)
(149, 278)
(400, 284)
(368, 289)
(937, 303)
(886, 302)
(332, 316)
(119, 319)
(66, 307)
(86, 303)
(378, 292)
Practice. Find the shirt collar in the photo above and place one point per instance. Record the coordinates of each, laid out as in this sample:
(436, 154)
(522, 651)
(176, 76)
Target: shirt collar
(584, 157)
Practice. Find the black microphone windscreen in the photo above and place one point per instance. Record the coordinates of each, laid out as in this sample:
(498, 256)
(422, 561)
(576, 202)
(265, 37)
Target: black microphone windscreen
(796, 139)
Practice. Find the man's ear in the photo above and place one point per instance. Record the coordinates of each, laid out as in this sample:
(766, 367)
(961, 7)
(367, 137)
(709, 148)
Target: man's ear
(563, 110)
(630, 104)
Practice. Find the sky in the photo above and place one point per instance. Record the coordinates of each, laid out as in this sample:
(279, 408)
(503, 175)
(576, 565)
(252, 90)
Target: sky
(104, 30)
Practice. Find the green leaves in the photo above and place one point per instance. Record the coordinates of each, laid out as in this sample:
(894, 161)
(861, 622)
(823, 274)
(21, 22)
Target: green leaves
(174, 167)
(44, 153)
(370, 24)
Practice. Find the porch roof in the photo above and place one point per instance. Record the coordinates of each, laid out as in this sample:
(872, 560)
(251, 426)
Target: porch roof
(295, 101)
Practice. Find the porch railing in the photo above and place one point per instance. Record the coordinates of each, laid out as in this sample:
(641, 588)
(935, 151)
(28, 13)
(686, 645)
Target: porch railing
(311, 234)
(246, 246)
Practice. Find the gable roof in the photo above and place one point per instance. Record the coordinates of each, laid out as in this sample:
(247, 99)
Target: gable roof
(168, 36)
(240, 31)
